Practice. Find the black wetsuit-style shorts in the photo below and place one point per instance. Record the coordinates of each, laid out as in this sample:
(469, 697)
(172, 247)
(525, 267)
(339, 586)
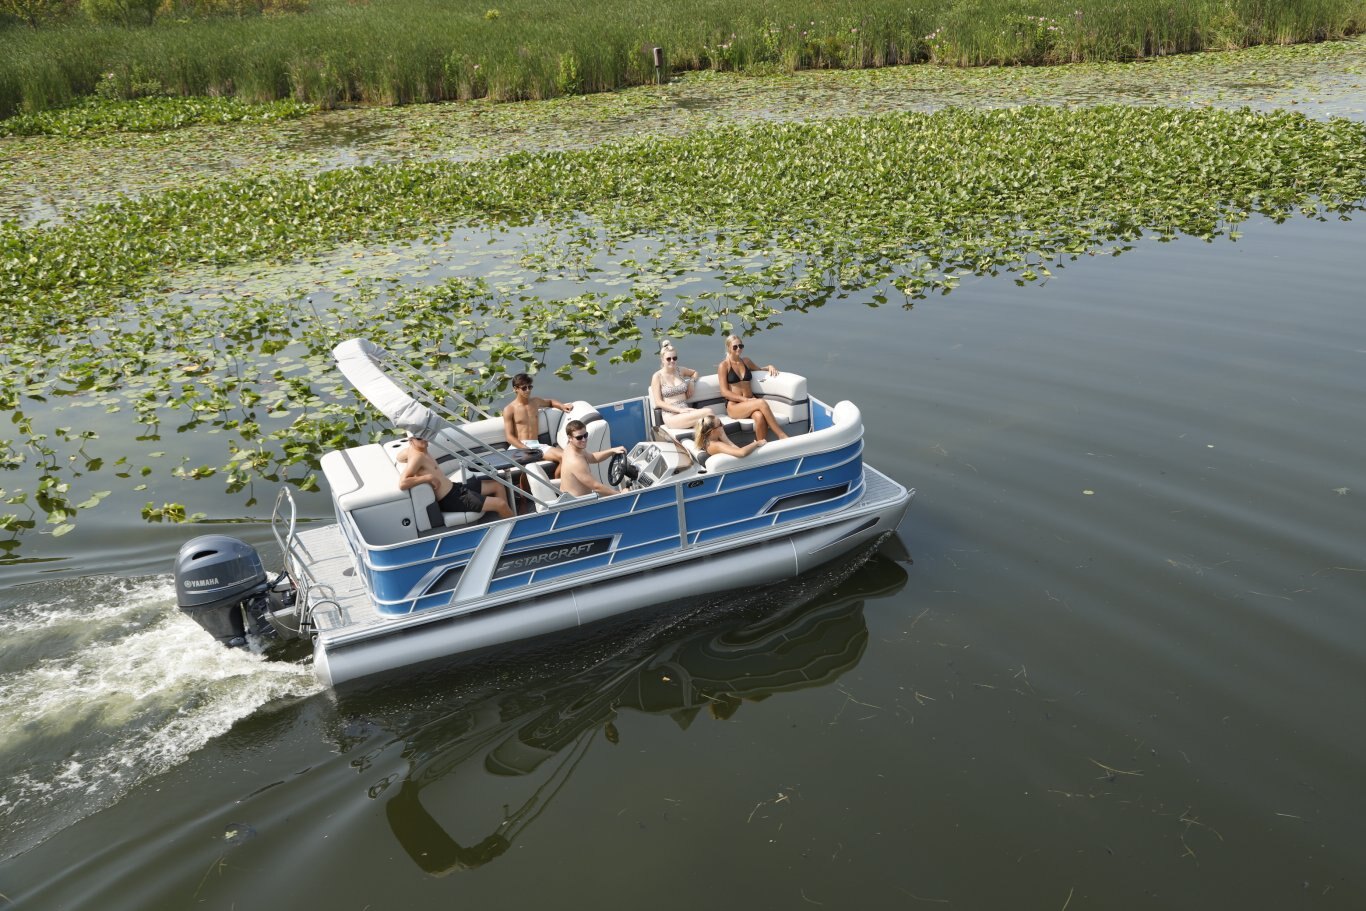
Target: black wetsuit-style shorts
(461, 499)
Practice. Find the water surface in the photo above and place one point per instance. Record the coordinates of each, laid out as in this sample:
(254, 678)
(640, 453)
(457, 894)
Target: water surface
(1120, 667)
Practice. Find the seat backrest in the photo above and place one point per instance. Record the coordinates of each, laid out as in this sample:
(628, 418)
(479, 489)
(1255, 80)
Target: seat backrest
(599, 438)
(582, 411)
(548, 425)
(785, 394)
(427, 515)
(542, 487)
(604, 437)
(706, 393)
(698, 456)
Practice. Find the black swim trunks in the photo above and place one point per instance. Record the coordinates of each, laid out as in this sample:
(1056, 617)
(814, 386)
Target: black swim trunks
(461, 499)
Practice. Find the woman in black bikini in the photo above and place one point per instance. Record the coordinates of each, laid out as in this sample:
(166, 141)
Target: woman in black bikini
(735, 374)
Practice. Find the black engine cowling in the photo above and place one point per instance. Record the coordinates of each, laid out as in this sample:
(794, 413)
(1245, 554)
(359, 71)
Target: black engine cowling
(217, 578)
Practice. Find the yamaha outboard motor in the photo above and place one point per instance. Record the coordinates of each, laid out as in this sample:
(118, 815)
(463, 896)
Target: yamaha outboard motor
(217, 578)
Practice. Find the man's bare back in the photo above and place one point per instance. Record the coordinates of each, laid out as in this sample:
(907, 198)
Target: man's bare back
(420, 468)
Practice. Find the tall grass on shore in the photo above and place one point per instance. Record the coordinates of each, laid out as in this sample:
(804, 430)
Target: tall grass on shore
(405, 51)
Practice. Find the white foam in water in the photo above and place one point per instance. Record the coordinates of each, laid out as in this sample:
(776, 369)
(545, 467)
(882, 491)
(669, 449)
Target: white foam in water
(139, 688)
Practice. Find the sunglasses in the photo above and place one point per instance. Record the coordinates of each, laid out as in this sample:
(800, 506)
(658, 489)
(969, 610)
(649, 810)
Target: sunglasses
(580, 437)
(737, 347)
(526, 388)
(670, 358)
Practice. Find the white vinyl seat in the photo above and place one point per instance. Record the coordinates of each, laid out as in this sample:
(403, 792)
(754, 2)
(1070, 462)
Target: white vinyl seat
(545, 490)
(785, 394)
(426, 515)
(425, 511)
(698, 456)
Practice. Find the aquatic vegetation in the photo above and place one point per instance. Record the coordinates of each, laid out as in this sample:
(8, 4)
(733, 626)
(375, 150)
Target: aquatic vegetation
(1011, 182)
(409, 51)
(777, 217)
(96, 116)
(51, 177)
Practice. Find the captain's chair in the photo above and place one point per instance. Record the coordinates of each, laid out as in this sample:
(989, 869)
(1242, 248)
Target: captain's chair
(546, 491)
(550, 424)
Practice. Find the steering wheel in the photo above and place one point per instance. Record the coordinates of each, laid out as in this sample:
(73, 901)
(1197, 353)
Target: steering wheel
(616, 469)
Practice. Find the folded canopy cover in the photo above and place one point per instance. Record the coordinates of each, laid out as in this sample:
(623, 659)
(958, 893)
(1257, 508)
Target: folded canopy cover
(362, 362)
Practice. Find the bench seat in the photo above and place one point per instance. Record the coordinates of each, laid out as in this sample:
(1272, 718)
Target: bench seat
(426, 514)
(785, 394)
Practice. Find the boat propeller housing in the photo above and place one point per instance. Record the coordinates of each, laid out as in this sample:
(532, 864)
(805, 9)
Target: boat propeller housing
(221, 584)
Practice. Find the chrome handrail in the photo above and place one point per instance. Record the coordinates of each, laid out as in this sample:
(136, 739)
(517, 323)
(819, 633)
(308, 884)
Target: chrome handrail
(465, 446)
(286, 543)
(300, 576)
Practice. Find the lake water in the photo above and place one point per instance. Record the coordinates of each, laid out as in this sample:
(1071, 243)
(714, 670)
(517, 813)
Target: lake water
(1118, 672)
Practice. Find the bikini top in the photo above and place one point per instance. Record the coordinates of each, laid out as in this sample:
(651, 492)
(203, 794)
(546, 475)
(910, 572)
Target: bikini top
(732, 378)
(673, 391)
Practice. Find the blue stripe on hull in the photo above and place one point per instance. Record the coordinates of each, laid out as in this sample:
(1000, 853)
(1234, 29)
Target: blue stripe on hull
(641, 523)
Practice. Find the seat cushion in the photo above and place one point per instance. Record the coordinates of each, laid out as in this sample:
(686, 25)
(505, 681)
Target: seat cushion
(785, 394)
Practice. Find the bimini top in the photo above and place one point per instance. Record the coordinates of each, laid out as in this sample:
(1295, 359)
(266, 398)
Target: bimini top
(361, 361)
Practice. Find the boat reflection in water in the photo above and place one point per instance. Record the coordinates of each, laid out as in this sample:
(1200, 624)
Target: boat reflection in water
(533, 733)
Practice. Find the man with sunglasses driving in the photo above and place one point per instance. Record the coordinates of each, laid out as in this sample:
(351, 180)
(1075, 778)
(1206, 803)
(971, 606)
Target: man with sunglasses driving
(575, 478)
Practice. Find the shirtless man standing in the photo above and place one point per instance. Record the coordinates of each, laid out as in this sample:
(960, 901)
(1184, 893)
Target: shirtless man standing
(522, 420)
(420, 468)
(575, 478)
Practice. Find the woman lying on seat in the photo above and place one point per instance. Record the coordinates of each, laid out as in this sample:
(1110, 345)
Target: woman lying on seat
(711, 438)
(735, 374)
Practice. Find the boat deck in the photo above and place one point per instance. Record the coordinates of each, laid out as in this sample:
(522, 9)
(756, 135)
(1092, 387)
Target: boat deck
(341, 603)
(337, 594)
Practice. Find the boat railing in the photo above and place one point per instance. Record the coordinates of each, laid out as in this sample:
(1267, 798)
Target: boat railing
(287, 541)
(475, 454)
(311, 595)
(472, 452)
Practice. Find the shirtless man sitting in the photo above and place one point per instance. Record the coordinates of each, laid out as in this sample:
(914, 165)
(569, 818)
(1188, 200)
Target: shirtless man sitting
(522, 420)
(575, 478)
(420, 468)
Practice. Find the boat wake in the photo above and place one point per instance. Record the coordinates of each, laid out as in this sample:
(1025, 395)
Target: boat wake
(104, 684)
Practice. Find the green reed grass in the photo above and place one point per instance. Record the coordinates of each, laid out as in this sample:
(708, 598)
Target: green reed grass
(405, 51)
